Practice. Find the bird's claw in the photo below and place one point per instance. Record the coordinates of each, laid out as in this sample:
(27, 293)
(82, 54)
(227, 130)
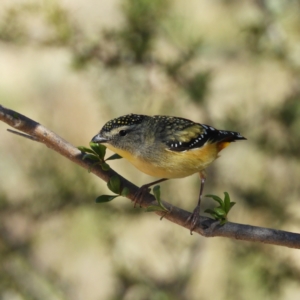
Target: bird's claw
(143, 190)
(193, 219)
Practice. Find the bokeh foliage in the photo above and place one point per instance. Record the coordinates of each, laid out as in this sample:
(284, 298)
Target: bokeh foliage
(150, 37)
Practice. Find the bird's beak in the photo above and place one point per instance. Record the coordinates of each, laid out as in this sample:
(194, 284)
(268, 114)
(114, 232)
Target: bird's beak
(99, 139)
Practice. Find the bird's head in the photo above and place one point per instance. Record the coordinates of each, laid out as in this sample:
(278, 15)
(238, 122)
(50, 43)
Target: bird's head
(126, 133)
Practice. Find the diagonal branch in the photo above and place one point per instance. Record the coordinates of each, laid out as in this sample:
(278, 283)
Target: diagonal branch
(207, 227)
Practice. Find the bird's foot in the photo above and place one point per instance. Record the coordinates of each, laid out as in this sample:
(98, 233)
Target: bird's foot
(142, 191)
(193, 219)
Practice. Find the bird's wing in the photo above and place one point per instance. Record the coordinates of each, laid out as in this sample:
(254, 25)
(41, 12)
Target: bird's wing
(196, 135)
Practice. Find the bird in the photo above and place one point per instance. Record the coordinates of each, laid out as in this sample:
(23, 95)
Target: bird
(166, 147)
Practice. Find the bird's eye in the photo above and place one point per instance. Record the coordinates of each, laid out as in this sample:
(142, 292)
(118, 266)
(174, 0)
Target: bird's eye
(122, 132)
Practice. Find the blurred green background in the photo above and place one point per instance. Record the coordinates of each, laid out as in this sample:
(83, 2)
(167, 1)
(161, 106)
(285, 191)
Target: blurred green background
(74, 65)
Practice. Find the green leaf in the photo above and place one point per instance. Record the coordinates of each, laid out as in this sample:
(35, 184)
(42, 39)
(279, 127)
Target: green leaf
(220, 211)
(160, 206)
(105, 166)
(90, 156)
(209, 211)
(115, 156)
(99, 149)
(114, 184)
(216, 217)
(85, 149)
(212, 213)
(156, 192)
(226, 202)
(216, 198)
(105, 198)
(125, 192)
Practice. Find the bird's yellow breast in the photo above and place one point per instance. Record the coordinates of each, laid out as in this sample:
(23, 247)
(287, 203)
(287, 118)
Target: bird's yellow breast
(171, 164)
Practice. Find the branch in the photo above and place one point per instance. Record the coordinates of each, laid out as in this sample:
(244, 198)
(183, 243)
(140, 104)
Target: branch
(207, 227)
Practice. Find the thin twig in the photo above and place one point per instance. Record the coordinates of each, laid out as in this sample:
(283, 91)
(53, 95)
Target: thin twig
(30, 137)
(207, 227)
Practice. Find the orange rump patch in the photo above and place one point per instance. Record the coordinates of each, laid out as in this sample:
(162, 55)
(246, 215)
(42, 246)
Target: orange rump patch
(222, 145)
